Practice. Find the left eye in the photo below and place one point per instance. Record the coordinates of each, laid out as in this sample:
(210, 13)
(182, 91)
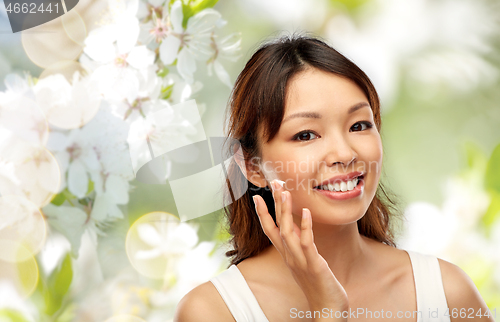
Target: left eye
(304, 136)
(357, 126)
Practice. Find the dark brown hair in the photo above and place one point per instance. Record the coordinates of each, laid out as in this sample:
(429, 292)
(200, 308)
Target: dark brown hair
(258, 100)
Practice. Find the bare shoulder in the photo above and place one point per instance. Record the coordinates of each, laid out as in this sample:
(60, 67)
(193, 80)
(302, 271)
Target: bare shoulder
(461, 293)
(203, 303)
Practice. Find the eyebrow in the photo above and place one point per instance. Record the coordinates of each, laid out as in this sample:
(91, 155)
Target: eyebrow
(316, 115)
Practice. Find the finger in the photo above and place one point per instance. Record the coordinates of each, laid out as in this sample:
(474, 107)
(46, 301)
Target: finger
(267, 223)
(286, 215)
(289, 237)
(307, 238)
(296, 229)
(277, 189)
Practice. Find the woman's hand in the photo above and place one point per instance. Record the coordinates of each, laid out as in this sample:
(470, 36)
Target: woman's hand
(296, 246)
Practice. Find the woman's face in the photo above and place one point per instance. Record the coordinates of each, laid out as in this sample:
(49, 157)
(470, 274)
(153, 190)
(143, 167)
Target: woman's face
(324, 140)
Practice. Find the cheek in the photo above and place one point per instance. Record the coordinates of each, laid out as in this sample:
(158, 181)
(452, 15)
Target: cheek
(371, 153)
(300, 171)
(292, 165)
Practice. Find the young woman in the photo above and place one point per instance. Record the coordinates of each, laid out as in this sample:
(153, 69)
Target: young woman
(320, 247)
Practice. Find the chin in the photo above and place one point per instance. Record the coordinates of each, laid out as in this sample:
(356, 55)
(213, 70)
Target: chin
(337, 216)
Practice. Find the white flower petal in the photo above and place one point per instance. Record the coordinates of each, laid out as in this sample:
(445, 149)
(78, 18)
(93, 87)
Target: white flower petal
(149, 235)
(184, 236)
(132, 8)
(156, 3)
(62, 159)
(220, 23)
(165, 12)
(77, 179)
(100, 208)
(7, 171)
(203, 21)
(98, 182)
(222, 74)
(116, 83)
(117, 189)
(147, 254)
(99, 44)
(90, 160)
(142, 11)
(70, 221)
(186, 65)
(113, 211)
(176, 16)
(49, 176)
(57, 141)
(15, 83)
(198, 265)
(128, 32)
(229, 45)
(169, 49)
(140, 57)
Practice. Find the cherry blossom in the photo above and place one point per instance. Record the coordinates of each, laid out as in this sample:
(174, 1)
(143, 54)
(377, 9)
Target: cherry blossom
(190, 44)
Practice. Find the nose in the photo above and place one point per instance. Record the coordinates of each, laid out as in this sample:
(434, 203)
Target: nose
(339, 150)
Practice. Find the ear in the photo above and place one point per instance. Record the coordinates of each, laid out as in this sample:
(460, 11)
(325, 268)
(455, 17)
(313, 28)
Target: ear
(251, 169)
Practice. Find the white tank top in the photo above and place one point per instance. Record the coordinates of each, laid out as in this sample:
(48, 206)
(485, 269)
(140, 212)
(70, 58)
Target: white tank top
(430, 295)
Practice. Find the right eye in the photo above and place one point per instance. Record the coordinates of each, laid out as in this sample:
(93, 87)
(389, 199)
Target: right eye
(303, 135)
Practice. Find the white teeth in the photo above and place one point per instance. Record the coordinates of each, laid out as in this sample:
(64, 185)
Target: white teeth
(342, 186)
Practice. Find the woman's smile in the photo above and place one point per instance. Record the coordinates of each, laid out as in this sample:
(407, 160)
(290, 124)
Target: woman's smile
(346, 191)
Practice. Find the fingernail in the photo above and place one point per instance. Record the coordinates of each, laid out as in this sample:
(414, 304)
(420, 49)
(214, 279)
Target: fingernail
(280, 182)
(254, 201)
(283, 196)
(305, 214)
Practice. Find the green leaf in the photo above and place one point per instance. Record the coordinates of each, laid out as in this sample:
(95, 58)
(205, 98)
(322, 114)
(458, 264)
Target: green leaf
(68, 313)
(58, 285)
(492, 186)
(166, 91)
(63, 196)
(350, 5)
(162, 72)
(493, 211)
(68, 195)
(63, 277)
(7, 315)
(27, 270)
(37, 297)
(474, 155)
(58, 199)
(187, 12)
(91, 187)
(193, 7)
(202, 4)
(492, 175)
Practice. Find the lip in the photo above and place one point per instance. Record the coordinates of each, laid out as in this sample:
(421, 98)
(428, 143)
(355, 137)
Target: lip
(343, 177)
(339, 195)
